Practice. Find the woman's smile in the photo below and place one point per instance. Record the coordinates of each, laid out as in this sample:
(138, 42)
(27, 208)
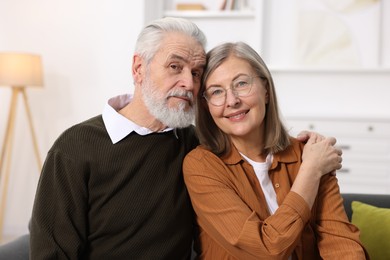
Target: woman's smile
(237, 116)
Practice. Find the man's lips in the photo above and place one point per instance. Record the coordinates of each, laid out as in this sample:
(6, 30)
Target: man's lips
(184, 98)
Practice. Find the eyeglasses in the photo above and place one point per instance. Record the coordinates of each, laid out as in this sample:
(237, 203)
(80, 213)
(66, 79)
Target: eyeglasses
(240, 87)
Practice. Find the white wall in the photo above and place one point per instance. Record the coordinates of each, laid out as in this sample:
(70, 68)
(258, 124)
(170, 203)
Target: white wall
(358, 94)
(86, 47)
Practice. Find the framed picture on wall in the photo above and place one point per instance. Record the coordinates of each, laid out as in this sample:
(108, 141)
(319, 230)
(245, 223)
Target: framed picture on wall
(326, 33)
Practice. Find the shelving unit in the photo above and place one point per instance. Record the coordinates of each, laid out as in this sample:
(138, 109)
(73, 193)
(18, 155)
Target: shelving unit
(249, 14)
(219, 25)
(274, 28)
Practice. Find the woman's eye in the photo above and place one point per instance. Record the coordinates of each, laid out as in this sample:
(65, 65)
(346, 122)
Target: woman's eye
(217, 92)
(241, 84)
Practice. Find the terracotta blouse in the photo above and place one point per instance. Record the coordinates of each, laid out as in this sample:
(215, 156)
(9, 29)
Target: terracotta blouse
(234, 222)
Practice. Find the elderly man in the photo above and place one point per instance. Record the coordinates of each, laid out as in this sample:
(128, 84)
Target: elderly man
(112, 186)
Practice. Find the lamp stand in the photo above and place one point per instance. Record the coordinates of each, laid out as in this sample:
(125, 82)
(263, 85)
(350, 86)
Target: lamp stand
(6, 150)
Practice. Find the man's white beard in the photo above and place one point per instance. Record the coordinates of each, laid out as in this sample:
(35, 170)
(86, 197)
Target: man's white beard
(157, 104)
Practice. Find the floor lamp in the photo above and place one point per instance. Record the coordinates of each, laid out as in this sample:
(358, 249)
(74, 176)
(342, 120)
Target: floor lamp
(17, 71)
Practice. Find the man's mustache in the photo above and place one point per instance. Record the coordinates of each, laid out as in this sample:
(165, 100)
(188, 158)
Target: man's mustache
(182, 93)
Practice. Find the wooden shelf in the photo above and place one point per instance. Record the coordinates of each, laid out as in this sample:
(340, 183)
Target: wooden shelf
(378, 70)
(211, 14)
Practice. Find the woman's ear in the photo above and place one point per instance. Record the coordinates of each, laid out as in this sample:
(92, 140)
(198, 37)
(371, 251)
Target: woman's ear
(138, 69)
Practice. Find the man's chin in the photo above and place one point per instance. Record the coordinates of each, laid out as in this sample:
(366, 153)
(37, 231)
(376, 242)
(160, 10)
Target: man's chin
(180, 105)
(179, 118)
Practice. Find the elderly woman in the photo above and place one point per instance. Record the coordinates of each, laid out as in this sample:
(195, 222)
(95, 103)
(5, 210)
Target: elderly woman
(257, 192)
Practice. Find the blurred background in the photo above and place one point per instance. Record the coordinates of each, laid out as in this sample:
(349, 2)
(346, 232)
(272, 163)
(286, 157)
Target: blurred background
(330, 60)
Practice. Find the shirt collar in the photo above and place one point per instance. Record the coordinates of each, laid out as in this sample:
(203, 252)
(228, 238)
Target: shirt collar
(118, 126)
(289, 155)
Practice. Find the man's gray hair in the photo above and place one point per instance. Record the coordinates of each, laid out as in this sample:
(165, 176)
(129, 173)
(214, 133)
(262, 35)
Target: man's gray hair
(148, 42)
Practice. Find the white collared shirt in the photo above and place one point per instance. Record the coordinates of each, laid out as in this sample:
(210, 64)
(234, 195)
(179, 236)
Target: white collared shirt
(118, 126)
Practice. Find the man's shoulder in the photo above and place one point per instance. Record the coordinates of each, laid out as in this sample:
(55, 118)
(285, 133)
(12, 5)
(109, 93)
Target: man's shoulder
(95, 122)
(188, 134)
(189, 130)
(80, 132)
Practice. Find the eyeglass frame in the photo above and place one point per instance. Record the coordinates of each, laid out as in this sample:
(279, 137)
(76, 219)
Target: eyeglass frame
(236, 94)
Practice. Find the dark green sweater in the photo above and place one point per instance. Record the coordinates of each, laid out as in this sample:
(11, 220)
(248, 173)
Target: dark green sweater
(98, 200)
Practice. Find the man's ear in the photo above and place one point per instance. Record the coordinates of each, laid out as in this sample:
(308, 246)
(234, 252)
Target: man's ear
(138, 68)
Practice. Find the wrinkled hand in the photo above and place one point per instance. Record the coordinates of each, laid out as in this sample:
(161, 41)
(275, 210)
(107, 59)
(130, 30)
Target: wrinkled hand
(304, 136)
(321, 155)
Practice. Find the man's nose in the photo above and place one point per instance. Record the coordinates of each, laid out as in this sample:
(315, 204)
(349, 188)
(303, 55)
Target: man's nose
(187, 80)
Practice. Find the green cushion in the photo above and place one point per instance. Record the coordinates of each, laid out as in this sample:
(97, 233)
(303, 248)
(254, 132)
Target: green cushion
(374, 225)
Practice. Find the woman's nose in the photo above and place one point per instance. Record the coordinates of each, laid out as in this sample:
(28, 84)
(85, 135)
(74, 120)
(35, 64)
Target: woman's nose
(232, 98)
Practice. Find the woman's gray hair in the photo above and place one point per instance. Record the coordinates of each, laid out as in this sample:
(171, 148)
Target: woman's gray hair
(148, 42)
(276, 137)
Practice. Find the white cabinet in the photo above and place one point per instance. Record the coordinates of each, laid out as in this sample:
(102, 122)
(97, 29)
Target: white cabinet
(366, 150)
(243, 24)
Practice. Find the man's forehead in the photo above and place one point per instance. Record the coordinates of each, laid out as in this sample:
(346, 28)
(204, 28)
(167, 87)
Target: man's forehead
(198, 59)
(182, 47)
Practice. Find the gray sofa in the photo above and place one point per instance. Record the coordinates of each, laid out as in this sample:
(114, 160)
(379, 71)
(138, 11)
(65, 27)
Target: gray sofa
(18, 249)
(378, 200)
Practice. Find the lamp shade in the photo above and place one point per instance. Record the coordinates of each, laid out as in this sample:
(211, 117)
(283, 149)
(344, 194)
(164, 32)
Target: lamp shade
(20, 69)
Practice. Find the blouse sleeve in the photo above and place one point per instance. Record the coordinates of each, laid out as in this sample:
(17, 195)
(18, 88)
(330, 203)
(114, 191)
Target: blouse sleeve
(337, 237)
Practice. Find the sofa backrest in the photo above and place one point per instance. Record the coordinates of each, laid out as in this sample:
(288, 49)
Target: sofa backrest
(378, 200)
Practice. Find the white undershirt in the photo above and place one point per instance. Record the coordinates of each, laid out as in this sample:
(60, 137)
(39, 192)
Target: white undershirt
(261, 170)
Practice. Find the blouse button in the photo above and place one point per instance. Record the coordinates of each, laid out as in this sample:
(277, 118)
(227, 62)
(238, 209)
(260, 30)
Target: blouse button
(277, 185)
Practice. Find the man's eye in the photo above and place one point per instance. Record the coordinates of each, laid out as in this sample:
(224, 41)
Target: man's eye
(196, 74)
(175, 67)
